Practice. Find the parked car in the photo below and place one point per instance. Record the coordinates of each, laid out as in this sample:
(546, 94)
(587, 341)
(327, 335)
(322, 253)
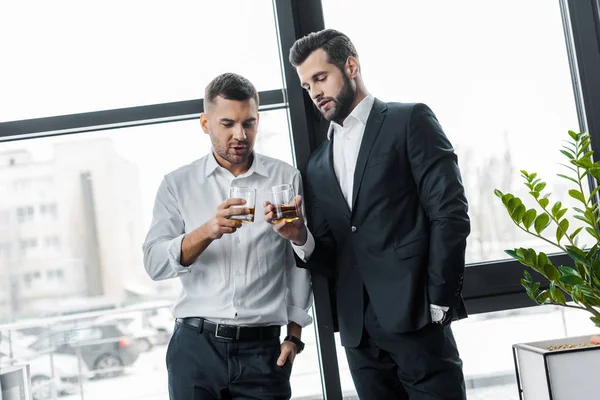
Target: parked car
(105, 349)
(51, 374)
(137, 325)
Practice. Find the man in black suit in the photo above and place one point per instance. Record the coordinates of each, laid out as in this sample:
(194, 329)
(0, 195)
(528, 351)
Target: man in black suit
(388, 215)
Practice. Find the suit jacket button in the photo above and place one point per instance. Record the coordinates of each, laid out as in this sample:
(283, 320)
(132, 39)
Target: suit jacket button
(353, 229)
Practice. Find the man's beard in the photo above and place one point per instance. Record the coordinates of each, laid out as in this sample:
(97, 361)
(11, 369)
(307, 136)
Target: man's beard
(343, 102)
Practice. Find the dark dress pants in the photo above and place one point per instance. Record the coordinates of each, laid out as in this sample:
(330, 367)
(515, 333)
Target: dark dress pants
(420, 365)
(202, 367)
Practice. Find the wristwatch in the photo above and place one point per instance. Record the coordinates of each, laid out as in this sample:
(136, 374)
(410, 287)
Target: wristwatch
(299, 343)
(437, 315)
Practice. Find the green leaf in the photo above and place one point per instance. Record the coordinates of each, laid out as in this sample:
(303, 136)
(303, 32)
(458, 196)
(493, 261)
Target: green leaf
(543, 259)
(561, 229)
(577, 254)
(539, 187)
(592, 232)
(569, 168)
(541, 222)
(556, 208)
(531, 258)
(572, 280)
(576, 294)
(544, 203)
(564, 270)
(525, 174)
(596, 321)
(551, 272)
(512, 253)
(572, 235)
(529, 217)
(498, 193)
(574, 136)
(556, 294)
(579, 217)
(527, 276)
(589, 154)
(576, 194)
(518, 213)
(561, 213)
(569, 178)
(543, 297)
(535, 194)
(506, 198)
(513, 203)
(584, 162)
(571, 157)
(595, 171)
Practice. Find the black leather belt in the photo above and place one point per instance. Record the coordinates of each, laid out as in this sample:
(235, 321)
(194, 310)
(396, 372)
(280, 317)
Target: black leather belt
(232, 332)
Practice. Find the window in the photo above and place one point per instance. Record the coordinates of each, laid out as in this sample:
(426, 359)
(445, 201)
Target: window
(503, 96)
(117, 198)
(48, 210)
(25, 214)
(146, 52)
(27, 244)
(53, 242)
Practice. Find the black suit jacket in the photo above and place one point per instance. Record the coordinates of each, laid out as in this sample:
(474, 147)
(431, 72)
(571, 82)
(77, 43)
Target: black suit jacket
(404, 240)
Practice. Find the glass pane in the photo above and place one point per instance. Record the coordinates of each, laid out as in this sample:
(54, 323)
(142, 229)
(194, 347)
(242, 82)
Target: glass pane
(55, 188)
(503, 95)
(70, 57)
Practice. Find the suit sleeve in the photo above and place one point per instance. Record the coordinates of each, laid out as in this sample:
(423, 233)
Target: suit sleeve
(322, 259)
(435, 170)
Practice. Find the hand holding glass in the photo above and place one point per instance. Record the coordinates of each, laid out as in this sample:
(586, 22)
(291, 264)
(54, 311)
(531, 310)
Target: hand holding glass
(247, 194)
(282, 197)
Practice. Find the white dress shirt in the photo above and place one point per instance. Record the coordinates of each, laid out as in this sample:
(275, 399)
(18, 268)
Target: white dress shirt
(347, 139)
(246, 278)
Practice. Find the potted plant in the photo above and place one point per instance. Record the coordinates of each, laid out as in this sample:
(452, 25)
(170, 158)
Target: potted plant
(565, 368)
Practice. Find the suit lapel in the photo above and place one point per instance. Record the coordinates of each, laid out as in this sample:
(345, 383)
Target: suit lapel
(374, 122)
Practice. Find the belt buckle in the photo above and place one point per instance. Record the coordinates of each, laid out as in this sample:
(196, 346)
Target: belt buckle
(227, 332)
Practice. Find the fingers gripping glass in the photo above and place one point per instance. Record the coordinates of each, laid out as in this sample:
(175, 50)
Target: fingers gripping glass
(282, 197)
(247, 194)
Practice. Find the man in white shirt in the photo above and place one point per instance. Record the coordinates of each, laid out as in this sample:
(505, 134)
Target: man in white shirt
(239, 283)
(386, 206)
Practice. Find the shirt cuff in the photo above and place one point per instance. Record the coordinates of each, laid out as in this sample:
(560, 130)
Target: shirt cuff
(298, 315)
(304, 252)
(174, 251)
(443, 308)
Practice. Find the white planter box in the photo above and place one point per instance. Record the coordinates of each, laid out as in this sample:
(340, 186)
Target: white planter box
(571, 374)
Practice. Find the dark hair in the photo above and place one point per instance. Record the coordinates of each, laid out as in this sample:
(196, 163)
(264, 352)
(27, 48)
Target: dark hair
(337, 46)
(231, 87)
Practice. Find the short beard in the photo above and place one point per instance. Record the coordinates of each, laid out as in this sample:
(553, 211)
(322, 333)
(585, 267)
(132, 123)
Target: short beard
(343, 101)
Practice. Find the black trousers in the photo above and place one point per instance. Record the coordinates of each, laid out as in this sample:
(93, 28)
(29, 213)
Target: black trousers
(202, 367)
(420, 365)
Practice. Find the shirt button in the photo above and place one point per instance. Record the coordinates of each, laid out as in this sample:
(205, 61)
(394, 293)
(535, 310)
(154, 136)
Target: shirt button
(353, 229)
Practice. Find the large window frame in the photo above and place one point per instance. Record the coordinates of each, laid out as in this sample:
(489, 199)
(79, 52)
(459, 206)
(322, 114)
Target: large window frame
(490, 286)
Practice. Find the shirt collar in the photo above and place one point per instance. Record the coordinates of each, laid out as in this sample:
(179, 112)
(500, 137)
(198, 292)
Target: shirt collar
(257, 166)
(360, 113)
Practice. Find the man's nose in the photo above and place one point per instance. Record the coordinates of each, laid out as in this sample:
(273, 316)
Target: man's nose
(240, 133)
(316, 95)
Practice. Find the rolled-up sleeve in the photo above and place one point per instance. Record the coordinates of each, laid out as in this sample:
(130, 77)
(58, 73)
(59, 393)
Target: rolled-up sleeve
(162, 247)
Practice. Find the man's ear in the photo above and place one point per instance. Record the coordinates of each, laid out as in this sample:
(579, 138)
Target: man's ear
(352, 67)
(204, 122)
